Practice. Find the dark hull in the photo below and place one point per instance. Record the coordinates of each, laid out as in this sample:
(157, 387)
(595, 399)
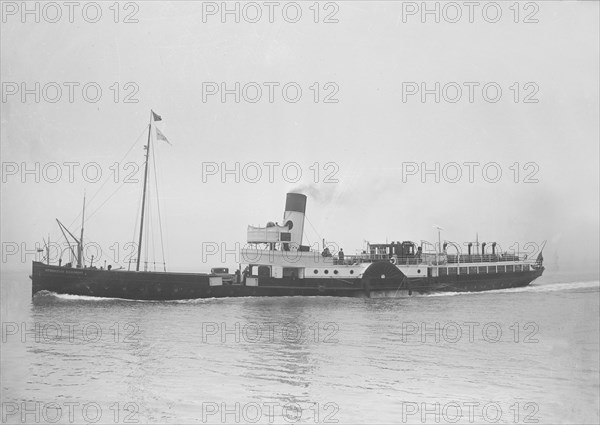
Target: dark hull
(180, 286)
(487, 282)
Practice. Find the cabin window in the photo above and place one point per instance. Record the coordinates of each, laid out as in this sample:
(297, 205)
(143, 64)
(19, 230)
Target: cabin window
(351, 271)
(254, 271)
(316, 271)
(462, 270)
(481, 269)
(335, 272)
(326, 271)
(220, 270)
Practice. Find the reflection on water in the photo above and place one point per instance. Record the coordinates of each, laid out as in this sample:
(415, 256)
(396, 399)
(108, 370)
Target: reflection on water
(351, 360)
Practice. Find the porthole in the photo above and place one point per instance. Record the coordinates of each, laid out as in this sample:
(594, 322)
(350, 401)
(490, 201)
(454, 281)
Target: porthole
(316, 271)
(335, 272)
(351, 271)
(326, 271)
(418, 270)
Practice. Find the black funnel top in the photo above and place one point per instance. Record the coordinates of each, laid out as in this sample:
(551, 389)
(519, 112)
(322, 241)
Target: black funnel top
(295, 202)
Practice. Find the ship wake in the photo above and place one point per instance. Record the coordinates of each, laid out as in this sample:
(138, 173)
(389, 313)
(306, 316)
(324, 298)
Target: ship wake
(546, 287)
(49, 297)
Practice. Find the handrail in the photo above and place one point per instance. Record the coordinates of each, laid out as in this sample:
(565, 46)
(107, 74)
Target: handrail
(434, 259)
(488, 258)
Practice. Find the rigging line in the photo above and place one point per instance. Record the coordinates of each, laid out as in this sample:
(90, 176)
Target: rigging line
(104, 184)
(313, 227)
(148, 225)
(106, 200)
(148, 209)
(153, 247)
(108, 177)
(151, 230)
(308, 240)
(150, 216)
(151, 201)
(162, 247)
(62, 229)
(135, 226)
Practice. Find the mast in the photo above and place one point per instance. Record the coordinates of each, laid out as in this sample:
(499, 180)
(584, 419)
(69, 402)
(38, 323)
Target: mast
(63, 229)
(439, 250)
(137, 267)
(80, 242)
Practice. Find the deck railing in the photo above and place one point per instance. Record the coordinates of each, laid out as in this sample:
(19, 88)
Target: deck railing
(485, 258)
(435, 259)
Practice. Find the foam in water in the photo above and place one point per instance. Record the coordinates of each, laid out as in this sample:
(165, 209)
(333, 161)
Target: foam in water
(549, 287)
(49, 295)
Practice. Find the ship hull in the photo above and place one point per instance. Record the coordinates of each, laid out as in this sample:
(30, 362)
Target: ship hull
(461, 283)
(179, 286)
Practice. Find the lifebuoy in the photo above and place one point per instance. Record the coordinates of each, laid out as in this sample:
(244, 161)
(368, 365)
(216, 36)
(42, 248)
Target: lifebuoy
(393, 260)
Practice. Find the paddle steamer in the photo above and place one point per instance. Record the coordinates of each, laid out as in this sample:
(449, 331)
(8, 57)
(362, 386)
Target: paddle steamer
(276, 263)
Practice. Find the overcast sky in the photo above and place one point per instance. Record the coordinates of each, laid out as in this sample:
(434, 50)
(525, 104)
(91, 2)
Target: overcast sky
(170, 54)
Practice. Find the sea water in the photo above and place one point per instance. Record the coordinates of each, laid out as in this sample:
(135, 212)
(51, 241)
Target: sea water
(526, 355)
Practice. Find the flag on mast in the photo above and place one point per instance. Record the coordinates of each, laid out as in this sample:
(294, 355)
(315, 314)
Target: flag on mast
(156, 117)
(160, 136)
